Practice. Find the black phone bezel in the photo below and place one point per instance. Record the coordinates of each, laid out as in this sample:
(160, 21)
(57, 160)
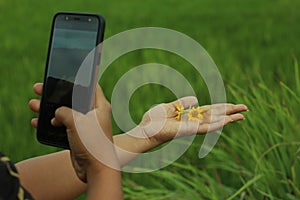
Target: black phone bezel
(41, 132)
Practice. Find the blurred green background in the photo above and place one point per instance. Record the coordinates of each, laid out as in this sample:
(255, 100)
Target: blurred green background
(255, 45)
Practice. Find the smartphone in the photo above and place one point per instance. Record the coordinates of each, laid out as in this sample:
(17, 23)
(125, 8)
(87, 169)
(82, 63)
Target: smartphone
(72, 66)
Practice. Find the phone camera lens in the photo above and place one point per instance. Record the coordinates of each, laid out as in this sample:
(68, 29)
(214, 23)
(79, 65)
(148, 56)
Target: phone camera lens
(89, 19)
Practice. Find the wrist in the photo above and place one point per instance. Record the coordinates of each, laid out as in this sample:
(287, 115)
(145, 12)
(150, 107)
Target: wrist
(96, 173)
(142, 141)
(108, 162)
(87, 165)
(105, 183)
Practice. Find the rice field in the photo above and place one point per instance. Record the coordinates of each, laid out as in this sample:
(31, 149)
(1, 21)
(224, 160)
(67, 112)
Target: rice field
(255, 47)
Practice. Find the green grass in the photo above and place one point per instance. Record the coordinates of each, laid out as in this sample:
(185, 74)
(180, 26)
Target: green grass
(255, 46)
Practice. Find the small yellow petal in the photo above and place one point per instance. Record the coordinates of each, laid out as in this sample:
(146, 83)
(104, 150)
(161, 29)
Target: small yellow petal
(200, 116)
(178, 115)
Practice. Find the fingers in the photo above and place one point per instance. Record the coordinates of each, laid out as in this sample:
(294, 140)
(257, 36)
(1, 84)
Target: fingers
(224, 109)
(231, 108)
(34, 105)
(34, 122)
(218, 123)
(206, 128)
(64, 115)
(211, 118)
(208, 119)
(215, 109)
(237, 117)
(38, 88)
(218, 118)
(210, 123)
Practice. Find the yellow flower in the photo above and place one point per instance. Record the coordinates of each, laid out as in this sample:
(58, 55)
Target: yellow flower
(179, 111)
(178, 115)
(195, 114)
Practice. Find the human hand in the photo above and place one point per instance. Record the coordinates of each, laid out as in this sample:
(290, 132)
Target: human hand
(34, 104)
(160, 125)
(67, 116)
(93, 153)
(89, 134)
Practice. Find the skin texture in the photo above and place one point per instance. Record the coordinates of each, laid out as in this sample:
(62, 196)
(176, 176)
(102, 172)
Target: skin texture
(102, 181)
(157, 127)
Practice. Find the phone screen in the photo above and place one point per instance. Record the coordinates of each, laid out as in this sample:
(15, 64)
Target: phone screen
(71, 66)
(73, 39)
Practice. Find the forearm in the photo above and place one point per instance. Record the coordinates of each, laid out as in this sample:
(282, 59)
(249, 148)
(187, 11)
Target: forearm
(52, 176)
(107, 184)
(131, 144)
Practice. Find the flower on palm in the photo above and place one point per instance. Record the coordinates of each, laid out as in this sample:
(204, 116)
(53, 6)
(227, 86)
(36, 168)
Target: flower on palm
(194, 113)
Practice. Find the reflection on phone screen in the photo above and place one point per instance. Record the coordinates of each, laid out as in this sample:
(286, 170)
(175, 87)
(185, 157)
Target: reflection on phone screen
(71, 44)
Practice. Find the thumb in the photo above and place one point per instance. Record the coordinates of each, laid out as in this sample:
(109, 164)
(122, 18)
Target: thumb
(64, 115)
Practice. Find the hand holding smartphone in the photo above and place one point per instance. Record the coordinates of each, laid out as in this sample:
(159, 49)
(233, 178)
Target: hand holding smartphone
(71, 71)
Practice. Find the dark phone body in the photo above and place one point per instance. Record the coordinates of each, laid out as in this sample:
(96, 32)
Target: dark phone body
(74, 36)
